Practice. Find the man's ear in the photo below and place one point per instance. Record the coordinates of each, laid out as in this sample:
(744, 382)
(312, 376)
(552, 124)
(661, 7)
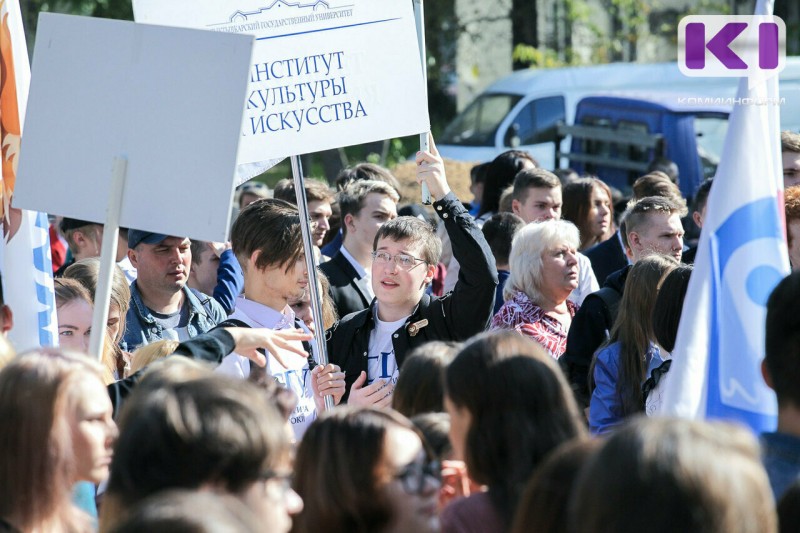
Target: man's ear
(348, 222)
(765, 374)
(698, 219)
(254, 259)
(133, 258)
(515, 206)
(80, 239)
(8, 319)
(429, 275)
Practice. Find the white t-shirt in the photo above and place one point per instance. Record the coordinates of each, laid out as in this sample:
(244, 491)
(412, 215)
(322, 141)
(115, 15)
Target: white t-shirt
(381, 361)
(295, 376)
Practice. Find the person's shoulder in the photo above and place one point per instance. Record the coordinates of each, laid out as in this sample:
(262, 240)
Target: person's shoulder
(609, 354)
(209, 303)
(349, 323)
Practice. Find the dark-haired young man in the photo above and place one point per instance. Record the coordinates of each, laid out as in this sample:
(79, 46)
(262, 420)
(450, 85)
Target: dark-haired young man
(781, 371)
(267, 241)
(365, 205)
(371, 345)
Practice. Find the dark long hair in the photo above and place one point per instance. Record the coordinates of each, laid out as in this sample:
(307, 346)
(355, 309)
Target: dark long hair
(633, 328)
(499, 175)
(669, 306)
(336, 471)
(521, 408)
(577, 196)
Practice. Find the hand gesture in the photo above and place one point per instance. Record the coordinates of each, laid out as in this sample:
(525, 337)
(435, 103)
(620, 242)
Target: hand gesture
(430, 169)
(249, 340)
(379, 394)
(327, 380)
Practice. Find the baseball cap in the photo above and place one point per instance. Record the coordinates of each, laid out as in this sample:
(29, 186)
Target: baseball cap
(135, 237)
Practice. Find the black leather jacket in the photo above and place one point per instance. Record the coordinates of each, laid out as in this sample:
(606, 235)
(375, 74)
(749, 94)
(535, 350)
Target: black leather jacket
(456, 316)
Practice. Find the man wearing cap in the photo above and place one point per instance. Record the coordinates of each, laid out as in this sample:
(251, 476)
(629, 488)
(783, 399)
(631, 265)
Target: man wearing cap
(85, 240)
(162, 306)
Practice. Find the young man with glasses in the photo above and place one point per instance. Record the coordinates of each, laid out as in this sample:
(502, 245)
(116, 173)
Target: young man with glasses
(370, 345)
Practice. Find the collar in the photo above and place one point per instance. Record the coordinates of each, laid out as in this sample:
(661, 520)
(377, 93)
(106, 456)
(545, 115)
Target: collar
(265, 317)
(360, 270)
(368, 315)
(144, 312)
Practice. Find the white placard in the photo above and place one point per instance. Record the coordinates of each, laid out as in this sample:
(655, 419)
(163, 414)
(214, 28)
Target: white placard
(167, 99)
(325, 73)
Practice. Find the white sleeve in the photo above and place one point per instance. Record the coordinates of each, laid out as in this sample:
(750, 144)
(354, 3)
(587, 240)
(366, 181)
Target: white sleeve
(587, 283)
(234, 365)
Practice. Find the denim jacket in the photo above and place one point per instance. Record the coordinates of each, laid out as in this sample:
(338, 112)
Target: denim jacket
(141, 328)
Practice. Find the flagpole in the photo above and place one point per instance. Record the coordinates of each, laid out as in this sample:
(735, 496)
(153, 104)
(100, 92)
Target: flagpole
(311, 266)
(102, 295)
(419, 18)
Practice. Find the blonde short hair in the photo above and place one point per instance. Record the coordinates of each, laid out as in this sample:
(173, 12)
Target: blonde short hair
(525, 260)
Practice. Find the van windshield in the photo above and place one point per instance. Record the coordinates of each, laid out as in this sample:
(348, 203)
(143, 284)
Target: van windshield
(477, 124)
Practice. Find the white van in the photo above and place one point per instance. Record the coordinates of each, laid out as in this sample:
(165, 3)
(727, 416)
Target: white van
(521, 110)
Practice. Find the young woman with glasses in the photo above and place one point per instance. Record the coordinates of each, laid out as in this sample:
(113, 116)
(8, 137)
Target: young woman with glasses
(366, 470)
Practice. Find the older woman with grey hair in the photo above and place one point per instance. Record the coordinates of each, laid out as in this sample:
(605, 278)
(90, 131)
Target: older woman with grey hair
(544, 271)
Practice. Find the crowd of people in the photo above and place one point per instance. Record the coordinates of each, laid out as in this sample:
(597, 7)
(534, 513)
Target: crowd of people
(493, 366)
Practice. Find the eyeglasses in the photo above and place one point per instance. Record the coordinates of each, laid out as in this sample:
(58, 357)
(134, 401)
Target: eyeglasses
(403, 261)
(412, 477)
(282, 479)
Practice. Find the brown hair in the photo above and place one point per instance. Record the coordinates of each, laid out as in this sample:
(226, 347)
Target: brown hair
(316, 191)
(662, 475)
(420, 386)
(544, 505)
(210, 429)
(351, 199)
(86, 272)
(668, 306)
(417, 232)
(367, 172)
(791, 200)
(534, 178)
(521, 408)
(271, 227)
(657, 183)
(67, 290)
(144, 355)
(343, 495)
(577, 196)
(37, 465)
(500, 174)
(633, 328)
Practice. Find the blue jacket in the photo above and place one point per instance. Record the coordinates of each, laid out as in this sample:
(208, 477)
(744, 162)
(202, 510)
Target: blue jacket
(230, 281)
(605, 407)
(141, 328)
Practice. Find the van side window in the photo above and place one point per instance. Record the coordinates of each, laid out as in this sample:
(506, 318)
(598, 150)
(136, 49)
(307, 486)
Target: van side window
(536, 122)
